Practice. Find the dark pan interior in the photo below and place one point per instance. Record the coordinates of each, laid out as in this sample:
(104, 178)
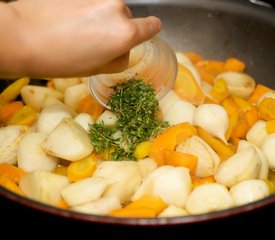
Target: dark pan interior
(218, 30)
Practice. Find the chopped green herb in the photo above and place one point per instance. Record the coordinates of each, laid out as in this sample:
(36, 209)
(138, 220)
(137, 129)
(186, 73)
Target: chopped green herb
(136, 106)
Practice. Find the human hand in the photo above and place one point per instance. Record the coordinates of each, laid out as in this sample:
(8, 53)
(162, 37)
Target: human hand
(65, 38)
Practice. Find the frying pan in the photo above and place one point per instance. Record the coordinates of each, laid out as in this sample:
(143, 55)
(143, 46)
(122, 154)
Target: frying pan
(216, 30)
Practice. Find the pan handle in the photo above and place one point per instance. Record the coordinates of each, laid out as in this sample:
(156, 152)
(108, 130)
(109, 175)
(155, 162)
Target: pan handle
(261, 3)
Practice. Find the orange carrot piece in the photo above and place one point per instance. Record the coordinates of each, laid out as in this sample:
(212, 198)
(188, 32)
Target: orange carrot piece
(24, 116)
(211, 66)
(9, 109)
(219, 91)
(50, 84)
(218, 146)
(251, 116)
(235, 141)
(241, 129)
(206, 76)
(187, 87)
(209, 100)
(270, 126)
(242, 104)
(266, 109)
(196, 181)
(62, 204)
(81, 169)
(193, 57)
(259, 91)
(233, 116)
(11, 172)
(169, 139)
(153, 202)
(179, 159)
(234, 64)
(10, 185)
(134, 213)
(89, 105)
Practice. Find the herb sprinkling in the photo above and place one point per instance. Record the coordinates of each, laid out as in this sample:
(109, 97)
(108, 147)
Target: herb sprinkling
(136, 106)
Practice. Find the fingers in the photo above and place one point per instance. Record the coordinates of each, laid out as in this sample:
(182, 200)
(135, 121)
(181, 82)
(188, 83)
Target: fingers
(146, 28)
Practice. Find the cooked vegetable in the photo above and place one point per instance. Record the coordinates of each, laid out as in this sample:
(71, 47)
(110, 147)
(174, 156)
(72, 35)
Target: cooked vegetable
(68, 140)
(61, 84)
(74, 94)
(135, 105)
(239, 84)
(8, 110)
(208, 198)
(81, 169)
(187, 88)
(267, 146)
(43, 186)
(243, 165)
(172, 184)
(208, 160)
(125, 177)
(84, 191)
(51, 116)
(257, 133)
(24, 116)
(89, 105)
(84, 119)
(215, 155)
(102, 206)
(31, 157)
(169, 139)
(249, 191)
(10, 137)
(147, 206)
(13, 90)
(172, 211)
(263, 174)
(34, 96)
(213, 119)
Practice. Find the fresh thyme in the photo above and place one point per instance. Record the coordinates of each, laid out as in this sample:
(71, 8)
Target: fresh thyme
(136, 106)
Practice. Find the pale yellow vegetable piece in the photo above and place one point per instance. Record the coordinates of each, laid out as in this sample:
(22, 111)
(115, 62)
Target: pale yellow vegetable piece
(264, 161)
(102, 206)
(213, 119)
(68, 140)
(84, 191)
(61, 84)
(31, 157)
(209, 197)
(172, 211)
(267, 146)
(239, 84)
(249, 191)
(43, 186)
(243, 165)
(34, 96)
(208, 160)
(74, 94)
(126, 176)
(257, 133)
(51, 116)
(10, 137)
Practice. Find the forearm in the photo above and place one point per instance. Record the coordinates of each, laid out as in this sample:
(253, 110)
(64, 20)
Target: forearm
(13, 47)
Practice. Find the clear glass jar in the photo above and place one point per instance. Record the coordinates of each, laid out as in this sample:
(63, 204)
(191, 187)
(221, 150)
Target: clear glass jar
(153, 61)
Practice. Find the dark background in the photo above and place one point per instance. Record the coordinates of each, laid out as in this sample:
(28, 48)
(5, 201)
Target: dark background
(17, 220)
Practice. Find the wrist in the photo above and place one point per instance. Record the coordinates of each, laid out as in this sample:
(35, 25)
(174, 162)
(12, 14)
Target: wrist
(14, 49)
